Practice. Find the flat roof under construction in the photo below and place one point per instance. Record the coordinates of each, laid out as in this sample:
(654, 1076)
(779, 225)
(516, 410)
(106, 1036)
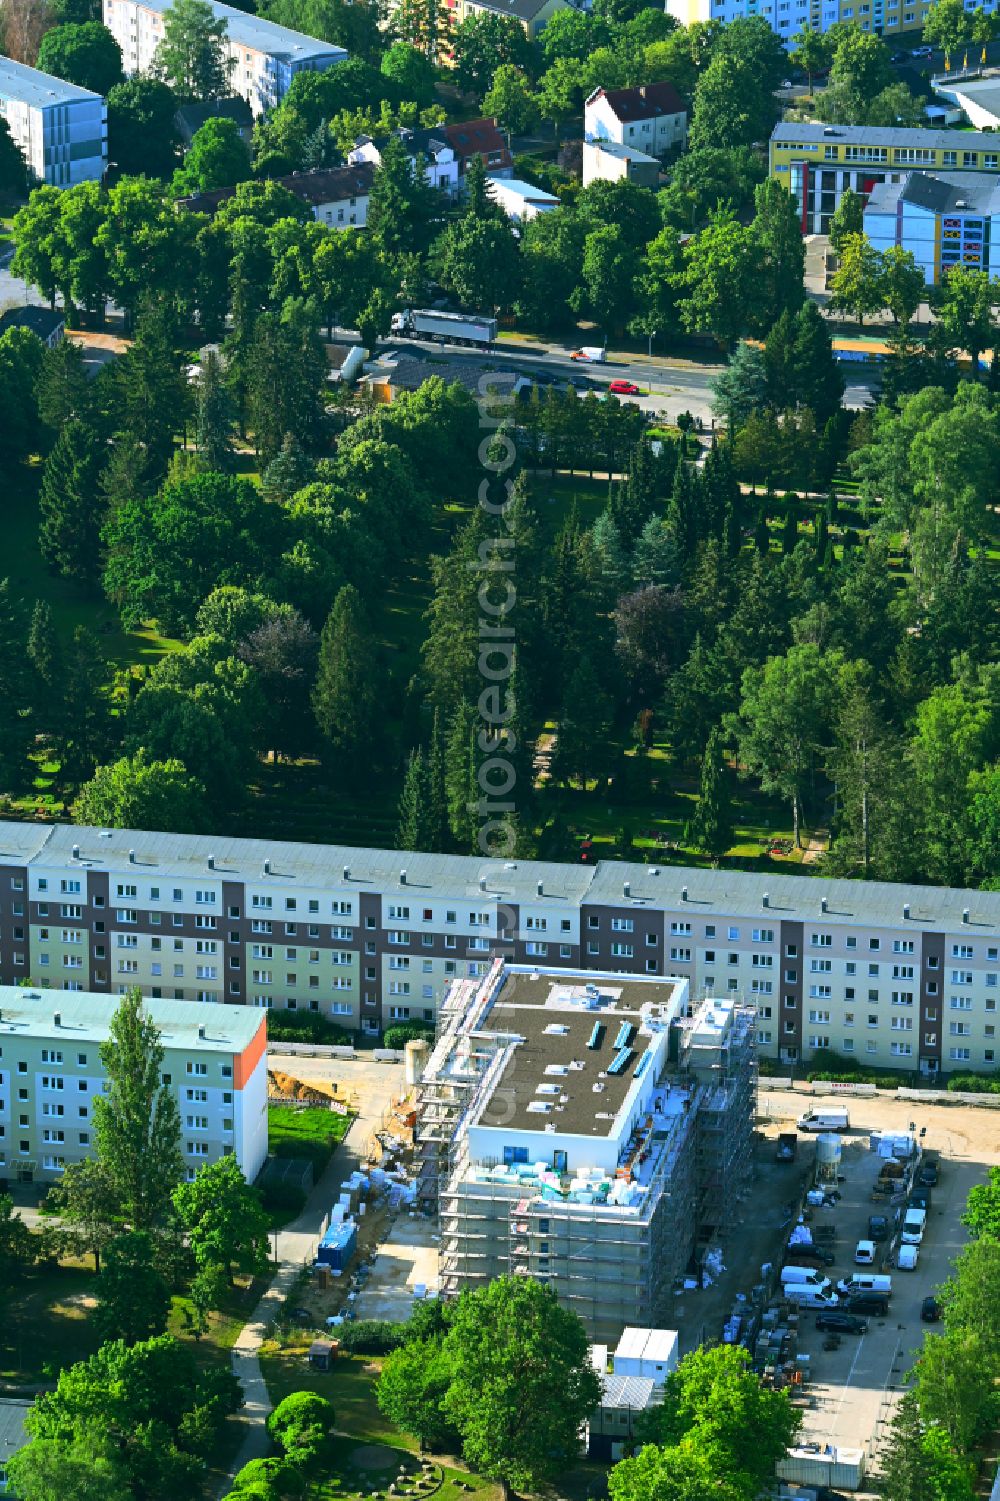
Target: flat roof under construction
(577, 1051)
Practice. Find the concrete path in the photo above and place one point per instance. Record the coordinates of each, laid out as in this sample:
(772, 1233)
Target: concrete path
(377, 1086)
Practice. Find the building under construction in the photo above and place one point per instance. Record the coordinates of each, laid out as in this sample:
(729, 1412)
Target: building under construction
(584, 1130)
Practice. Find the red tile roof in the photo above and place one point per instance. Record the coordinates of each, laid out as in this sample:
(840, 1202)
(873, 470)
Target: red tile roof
(644, 102)
(477, 138)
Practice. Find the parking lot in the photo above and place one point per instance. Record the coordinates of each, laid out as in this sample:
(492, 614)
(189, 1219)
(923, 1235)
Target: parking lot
(851, 1389)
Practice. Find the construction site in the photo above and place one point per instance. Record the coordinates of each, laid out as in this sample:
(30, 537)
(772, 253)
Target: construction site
(588, 1130)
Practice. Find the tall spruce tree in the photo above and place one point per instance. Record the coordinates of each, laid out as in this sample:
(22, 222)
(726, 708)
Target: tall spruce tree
(713, 826)
(415, 817)
(214, 416)
(69, 533)
(345, 697)
(16, 732)
(136, 1123)
(439, 834)
(460, 773)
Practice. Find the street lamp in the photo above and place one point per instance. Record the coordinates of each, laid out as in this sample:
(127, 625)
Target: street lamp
(651, 336)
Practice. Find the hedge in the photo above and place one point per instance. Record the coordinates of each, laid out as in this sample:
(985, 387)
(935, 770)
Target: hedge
(304, 1026)
(974, 1083)
(398, 1037)
(371, 1337)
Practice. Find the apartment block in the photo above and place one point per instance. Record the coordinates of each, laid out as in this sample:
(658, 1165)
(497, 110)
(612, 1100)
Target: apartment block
(61, 130)
(818, 163)
(563, 1132)
(215, 1060)
(263, 56)
(786, 17)
(903, 976)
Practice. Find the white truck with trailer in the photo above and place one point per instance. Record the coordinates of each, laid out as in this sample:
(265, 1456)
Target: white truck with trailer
(444, 328)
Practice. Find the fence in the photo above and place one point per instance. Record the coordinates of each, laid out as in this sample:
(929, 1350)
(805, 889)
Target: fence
(769, 1085)
(335, 1050)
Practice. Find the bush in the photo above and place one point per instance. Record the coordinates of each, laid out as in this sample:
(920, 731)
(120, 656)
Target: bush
(974, 1083)
(398, 1037)
(304, 1026)
(371, 1337)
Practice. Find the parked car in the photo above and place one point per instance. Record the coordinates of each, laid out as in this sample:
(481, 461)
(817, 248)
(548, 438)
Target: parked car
(843, 1323)
(920, 1198)
(878, 1227)
(623, 388)
(923, 52)
(928, 1174)
(906, 1258)
(876, 1303)
(864, 1253)
(930, 1310)
(898, 57)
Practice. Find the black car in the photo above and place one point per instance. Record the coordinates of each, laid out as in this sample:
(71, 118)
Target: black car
(920, 1198)
(878, 1227)
(876, 1303)
(930, 1310)
(928, 1175)
(843, 1323)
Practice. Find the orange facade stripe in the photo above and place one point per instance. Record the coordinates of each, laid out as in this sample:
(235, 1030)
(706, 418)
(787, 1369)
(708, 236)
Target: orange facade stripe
(244, 1063)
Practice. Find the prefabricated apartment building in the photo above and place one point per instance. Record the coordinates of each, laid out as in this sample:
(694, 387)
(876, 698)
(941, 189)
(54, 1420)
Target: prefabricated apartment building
(584, 1129)
(898, 976)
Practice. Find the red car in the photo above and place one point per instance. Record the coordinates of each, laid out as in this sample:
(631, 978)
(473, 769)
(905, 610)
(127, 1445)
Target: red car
(623, 388)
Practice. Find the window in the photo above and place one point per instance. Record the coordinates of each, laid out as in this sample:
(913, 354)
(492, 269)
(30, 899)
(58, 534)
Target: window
(763, 935)
(627, 951)
(619, 925)
(683, 956)
(821, 940)
(902, 946)
(734, 935)
(679, 927)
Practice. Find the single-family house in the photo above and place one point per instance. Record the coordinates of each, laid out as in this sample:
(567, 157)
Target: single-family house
(651, 117)
(440, 162)
(191, 117)
(48, 323)
(338, 196)
(483, 138)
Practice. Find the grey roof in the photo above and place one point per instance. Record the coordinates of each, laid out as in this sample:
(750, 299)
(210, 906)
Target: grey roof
(191, 117)
(889, 135)
(264, 36)
(17, 81)
(983, 92)
(408, 372)
(13, 1412)
(526, 190)
(635, 1392)
(623, 153)
(43, 321)
(709, 892)
(522, 1008)
(953, 192)
(522, 10)
(84, 1017)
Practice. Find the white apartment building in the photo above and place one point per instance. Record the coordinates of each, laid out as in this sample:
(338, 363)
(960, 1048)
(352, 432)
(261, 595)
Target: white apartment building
(263, 56)
(652, 117)
(215, 1060)
(440, 161)
(580, 1128)
(895, 976)
(61, 130)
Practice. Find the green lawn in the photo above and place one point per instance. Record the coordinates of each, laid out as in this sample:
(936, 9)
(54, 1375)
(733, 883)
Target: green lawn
(370, 1459)
(46, 1324)
(305, 1131)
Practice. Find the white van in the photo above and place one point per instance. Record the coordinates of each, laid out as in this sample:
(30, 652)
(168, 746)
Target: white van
(825, 1118)
(803, 1276)
(914, 1224)
(805, 1295)
(906, 1258)
(865, 1282)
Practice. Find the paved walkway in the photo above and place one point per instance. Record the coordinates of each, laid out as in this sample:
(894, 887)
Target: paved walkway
(377, 1087)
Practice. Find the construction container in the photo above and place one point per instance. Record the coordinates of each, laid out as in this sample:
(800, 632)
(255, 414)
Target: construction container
(415, 1056)
(338, 1246)
(824, 1465)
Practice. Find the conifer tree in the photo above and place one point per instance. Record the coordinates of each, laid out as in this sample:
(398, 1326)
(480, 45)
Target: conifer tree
(345, 696)
(439, 834)
(70, 524)
(461, 786)
(414, 831)
(655, 559)
(713, 825)
(214, 417)
(288, 473)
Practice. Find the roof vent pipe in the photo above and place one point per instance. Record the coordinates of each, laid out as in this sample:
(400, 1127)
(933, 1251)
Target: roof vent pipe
(765, 900)
(965, 914)
(540, 888)
(627, 889)
(906, 911)
(823, 904)
(76, 852)
(684, 893)
(211, 862)
(402, 878)
(347, 872)
(267, 867)
(131, 857)
(57, 1019)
